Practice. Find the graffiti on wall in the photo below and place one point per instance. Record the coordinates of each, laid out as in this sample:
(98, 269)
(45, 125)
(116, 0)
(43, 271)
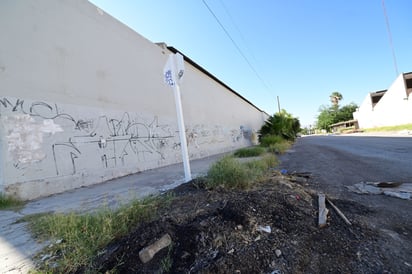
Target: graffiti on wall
(112, 140)
(39, 132)
(117, 142)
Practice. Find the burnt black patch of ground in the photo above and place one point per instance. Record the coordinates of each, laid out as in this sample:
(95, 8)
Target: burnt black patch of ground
(218, 231)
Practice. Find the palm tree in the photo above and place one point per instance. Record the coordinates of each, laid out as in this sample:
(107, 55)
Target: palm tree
(335, 97)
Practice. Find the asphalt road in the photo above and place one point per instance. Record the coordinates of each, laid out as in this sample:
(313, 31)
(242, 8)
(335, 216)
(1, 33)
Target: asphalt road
(339, 161)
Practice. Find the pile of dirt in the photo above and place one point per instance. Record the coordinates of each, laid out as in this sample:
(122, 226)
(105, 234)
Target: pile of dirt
(272, 228)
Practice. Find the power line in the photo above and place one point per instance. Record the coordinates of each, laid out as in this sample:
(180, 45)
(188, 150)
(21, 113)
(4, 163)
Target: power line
(241, 36)
(237, 29)
(390, 38)
(236, 46)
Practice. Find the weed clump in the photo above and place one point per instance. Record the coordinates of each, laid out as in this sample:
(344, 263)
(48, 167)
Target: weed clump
(80, 237)
(275, 144)
(249, 152)
(232, 174)
(9, 202)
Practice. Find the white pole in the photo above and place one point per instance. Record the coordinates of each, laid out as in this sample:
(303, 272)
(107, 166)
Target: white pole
(182, 133)
(173, 73)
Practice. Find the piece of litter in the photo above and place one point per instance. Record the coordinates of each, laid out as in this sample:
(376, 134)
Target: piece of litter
(266, 229)
(401, 195)
(358, 254)
(45, 257)
(393, 189)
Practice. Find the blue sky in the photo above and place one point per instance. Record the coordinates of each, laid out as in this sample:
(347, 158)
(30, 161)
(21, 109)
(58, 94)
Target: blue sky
(299, 50)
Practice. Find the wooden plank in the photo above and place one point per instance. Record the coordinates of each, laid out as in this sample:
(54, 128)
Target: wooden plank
(340, 213)
(147, 253)
(323, 211)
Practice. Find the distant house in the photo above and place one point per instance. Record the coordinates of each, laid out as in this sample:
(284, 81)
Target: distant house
(387, 107)
(345, 126)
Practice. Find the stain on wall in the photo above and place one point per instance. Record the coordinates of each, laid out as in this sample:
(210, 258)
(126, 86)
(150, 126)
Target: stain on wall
(25, 138)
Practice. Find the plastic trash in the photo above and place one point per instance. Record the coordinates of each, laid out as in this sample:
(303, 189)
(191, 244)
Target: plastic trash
(266, 229)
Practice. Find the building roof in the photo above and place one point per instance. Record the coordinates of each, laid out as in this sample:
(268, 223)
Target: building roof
(376, 96)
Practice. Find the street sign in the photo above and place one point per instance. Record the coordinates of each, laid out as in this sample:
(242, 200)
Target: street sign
(174, 69)
(169, 72)
(180, 67)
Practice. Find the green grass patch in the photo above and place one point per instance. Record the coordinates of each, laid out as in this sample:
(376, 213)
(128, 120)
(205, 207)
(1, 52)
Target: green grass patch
(227, 172)
(9, 202)
(249, 152)
(32, 218)
(230, 173)
(389, 128)
(82, 236)
(257, 170)
(279, 148)
(275, 144)
(167, 262)
(268, 140)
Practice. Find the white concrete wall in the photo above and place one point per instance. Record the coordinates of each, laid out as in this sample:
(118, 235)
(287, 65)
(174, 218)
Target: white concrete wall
(394, 108)
(364, 114)
(82, 100)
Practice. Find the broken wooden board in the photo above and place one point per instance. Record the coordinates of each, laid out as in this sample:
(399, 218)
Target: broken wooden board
(384, 184)
(323, 211)
(340, 213)
(147, 253)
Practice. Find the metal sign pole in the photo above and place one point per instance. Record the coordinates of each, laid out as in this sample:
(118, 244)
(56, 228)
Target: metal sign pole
(182, 133)
(175, 62)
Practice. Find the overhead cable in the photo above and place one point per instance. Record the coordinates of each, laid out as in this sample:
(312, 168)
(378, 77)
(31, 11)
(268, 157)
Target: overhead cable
(236, 46)
(390, 37)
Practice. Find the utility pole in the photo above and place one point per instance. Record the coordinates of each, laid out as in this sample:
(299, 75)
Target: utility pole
(278, 104)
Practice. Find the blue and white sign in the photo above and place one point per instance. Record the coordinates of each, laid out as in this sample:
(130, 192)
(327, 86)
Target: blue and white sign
(168, 72)
(180, 67)
(174, 69)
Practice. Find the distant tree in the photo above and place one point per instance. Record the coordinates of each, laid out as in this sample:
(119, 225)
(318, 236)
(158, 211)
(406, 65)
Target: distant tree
(335, 98)
(281, 124)
(345, 113)
(325, 118)
(332, 115)
(329, 115)
(305, 131)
